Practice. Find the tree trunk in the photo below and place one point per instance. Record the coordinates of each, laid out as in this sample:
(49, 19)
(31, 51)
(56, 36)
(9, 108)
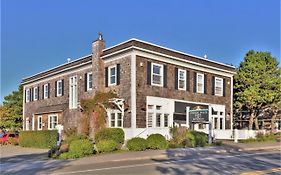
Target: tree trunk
(251, 120)
(257, 123)
(273, 120)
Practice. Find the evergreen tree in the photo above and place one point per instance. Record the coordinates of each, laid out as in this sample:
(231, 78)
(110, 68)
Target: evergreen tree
(257, 84)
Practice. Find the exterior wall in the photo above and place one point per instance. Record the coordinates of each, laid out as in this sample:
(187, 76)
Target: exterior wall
(124, 88)
(143, 90)
(69, 116)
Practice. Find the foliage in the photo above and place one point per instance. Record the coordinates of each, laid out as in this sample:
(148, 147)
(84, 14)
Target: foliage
(71, 138)
(260, 137)
(116, 134)
(13, 141)
(98, 105)
(257, 84)
(69, 155)
(190, 140)
(38, 139)
(104, 146)
(201, 138)
(81, 147)
(137, 144)
(178, 136)
(157, 141)
(11, 110)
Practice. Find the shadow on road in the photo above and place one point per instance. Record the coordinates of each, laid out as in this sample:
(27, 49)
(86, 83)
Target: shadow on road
(205, 161)
(30, 164)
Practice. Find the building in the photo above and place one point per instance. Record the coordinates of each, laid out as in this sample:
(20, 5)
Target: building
(162, 87)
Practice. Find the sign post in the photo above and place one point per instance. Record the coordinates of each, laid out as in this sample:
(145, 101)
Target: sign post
(59, 128)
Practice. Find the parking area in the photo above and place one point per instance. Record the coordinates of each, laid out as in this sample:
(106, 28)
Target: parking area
(7, 151)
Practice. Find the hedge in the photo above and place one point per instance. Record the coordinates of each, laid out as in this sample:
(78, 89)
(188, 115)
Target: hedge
(78, 148)
(157, 141)
(104, 146)
(201, 138)
(116, 134)
(137, 144)
(38, 139)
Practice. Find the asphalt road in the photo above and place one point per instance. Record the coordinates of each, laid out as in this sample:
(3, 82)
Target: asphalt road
(246, 163)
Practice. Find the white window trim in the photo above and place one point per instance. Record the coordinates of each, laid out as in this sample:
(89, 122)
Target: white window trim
(35, 97)
(59, 94)
(88, 81)
(38, 122)
(46, 89)
(33, 123)
(27, 93)
(27, 124)
(71, 97)
(161, 74)
(184, 71)
(115, 112)
(109, 75)
(203, 78)
(217, 94)
(49, 116)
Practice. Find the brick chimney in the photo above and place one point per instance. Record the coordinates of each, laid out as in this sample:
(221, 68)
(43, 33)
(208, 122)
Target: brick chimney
(98, 68)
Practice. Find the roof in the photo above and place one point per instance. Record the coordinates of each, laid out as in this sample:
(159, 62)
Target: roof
(136, 43)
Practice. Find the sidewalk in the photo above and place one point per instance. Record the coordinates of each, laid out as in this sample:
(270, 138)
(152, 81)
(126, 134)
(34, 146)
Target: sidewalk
(254, 146)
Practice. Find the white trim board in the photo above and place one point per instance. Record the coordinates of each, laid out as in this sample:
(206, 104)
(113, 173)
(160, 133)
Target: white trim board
(133, 91)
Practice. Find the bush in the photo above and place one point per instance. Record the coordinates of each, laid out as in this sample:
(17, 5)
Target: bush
(38, 139)
(157, 141)
(137, 144)
(190, 139)
(104, 146)
(69, 155)
(13, 141)
(71, 138)
(81, 147)
(201, 138)
(116, 134)
(178, 135)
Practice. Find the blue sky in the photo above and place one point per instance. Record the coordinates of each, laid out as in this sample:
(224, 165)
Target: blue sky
(38, 35)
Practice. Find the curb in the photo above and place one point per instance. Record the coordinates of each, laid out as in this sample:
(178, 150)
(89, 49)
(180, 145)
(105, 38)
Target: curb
(257, 149)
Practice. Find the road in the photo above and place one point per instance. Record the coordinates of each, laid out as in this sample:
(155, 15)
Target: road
(235, 162)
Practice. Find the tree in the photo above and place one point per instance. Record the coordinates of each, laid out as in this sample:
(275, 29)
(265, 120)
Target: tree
(257, 84)
(11, 111)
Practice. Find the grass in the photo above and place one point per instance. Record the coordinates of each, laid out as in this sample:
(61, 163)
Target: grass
(260, 137)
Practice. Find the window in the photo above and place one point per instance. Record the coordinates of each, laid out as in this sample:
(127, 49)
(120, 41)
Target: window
(216, 123)
(158, 107)
(39, 123)
(157, 74)
(150, 106)
(218, 86)
(52, 122)
(59, 88)
(112, 80)
(181, 79)
(89, 81)
(35, 93)
(166, 120)
(46, 91)
(158, 120)
(221, 123)
(73, 95)
(149, 120)
(200, 83)
(27, 95)
(116, 119)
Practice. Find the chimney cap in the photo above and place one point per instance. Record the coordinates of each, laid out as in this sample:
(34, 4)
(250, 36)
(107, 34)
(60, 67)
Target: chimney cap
(100, 36)
(68, 60)
(205, 56)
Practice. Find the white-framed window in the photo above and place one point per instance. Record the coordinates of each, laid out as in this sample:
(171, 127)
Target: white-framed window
(27, 95)
(59, 88)
(200, 83)
(52, 121)
(89, 81)
(181, 79)
(116, 119)
(157, 74)
(150, 120)
(218, 86)
(73, 95)
(39, 122)
(35, 93)
(157, 117)
(166, 120)
(112, 75)
(46, 91)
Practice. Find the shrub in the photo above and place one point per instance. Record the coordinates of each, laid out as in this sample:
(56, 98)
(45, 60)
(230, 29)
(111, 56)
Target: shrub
(13, 141)
(157, 141)
(190, 139)
(81, 147)
(116, 134)
(137, 144)
(104, 146)
(69, 155)
(71, 138)
(249, 140)
(201, 138)
(38, 139)
(178, 135)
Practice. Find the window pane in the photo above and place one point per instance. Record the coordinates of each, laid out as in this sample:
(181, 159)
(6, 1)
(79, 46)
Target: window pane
(150, 106)
(112, 79)
(216, 123)
(181, 84)
(156, 69)
(156, 79)
(221, 120)
(112, 71)
(158, 107)
(166, 120)
(158, 120)
(149, 120)
(112, 119)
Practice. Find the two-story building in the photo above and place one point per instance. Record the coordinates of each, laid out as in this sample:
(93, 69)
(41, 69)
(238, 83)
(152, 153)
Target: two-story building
(161, 87)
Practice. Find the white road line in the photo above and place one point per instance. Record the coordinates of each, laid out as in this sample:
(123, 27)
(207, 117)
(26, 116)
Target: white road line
(156, 163)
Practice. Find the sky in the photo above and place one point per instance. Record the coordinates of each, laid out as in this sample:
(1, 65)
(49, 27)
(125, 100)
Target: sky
(39, 35)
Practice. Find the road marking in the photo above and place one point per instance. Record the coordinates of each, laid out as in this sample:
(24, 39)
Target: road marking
(155, 163)
(273, 170)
